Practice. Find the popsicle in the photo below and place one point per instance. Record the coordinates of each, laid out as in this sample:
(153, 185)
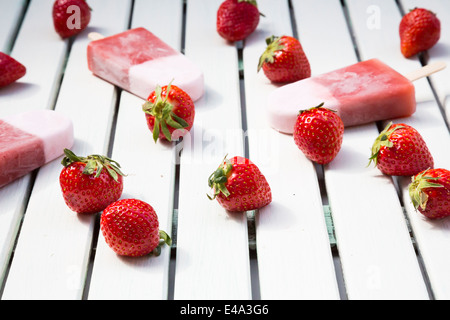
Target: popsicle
(31, 139)
(137, 61)
(360, 93)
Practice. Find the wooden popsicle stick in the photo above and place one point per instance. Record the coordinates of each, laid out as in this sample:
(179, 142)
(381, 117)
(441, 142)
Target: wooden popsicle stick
(95, 36)
(426, 70)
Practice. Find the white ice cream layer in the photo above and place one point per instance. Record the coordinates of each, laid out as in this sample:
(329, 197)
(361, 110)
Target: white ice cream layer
(146, 76)
(285, 103)
(54, 129)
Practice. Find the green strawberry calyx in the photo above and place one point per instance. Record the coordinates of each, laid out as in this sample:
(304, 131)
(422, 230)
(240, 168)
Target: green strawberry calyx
(273, 45)
(320, 106)
(162, 111)
(416, 8)
(164, 238)
(253, 2)
(382, 141)
(219, 178)
(94, 163)
(416, 189)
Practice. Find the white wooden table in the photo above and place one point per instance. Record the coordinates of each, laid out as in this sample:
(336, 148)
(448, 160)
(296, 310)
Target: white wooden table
(375, 247)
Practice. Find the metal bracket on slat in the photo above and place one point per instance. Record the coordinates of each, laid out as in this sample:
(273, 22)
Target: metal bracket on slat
(174, 228)
(252, 231)
(251, 226)
(330, 225)
(408, 224)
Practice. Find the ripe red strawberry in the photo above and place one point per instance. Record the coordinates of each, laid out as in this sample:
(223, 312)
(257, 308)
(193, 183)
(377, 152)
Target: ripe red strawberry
(237, 19)
(130, 227)
(400, 150)
(70, 17)
(10, 70)
(318, 133)
(169, 116)
(419, 30)
(239, 186)
(430, 193)
(89, 184)
(284, 60)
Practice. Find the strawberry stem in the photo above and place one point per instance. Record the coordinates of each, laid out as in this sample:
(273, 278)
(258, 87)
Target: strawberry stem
(164, 238)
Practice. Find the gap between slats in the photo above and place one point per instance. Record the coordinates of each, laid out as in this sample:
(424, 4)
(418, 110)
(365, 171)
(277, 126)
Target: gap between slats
(52, 101)
(10, 43)
(321, 181)
(53, 98)
(424, 59)
(96, 230)
(251, 224)
(251, 215)
(380, 127)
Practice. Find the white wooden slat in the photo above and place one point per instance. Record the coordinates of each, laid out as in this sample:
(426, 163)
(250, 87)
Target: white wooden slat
(13, 201)
(372, 267)
(153, 15)
(313, 14)
(34, 91)
(440, 51)
(433, 236)
(43, 62)
(212, 259)
(386, 270)
(150, 171)
(385, 44)
(56, 240)
(200, 273)
(293, 248)
(10, 12)
(375, 249)
(432, 239)
(427, 120)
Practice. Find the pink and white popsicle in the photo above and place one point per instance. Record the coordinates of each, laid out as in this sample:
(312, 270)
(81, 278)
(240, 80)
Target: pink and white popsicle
(31, 139)
(360, 93)
(137, 61)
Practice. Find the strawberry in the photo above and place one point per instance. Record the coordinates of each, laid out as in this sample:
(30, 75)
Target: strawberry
(70, 17)
(429, 191)
(318, 133)
(130, 227)
(85, 186)
(10, 70)
(419, 30)
(169, 116)
(239, 186)
(400, 150)
(237, 19)
(284, 60)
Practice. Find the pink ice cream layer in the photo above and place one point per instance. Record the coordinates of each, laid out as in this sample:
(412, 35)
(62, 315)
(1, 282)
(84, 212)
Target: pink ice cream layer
(360, 93)
(137, 61)
(30, 140)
